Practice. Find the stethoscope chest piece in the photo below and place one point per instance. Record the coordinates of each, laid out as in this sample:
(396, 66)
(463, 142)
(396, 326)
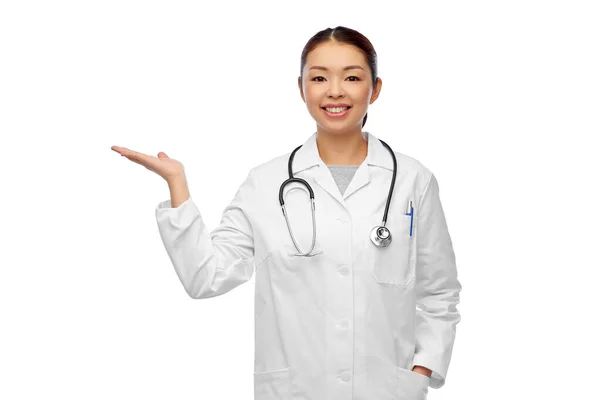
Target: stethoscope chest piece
(381, 236)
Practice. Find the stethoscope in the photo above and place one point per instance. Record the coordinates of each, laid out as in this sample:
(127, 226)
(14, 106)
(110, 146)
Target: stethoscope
(380, 235)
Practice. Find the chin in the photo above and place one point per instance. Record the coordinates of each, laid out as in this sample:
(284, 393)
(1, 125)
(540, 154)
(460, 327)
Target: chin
(340, 128)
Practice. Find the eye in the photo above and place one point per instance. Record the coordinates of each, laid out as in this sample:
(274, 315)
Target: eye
(356, 78)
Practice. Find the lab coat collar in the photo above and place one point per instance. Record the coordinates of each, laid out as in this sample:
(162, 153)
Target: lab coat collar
(308, 156)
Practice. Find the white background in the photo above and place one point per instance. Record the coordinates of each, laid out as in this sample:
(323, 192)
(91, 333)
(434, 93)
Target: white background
(500, 100)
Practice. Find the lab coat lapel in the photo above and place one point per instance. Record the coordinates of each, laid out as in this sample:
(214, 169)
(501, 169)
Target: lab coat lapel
(308, 156)
(324, 179)
(362, 176)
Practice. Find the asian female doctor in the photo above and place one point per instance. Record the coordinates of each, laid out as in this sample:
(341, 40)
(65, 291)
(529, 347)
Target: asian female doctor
(356, 281)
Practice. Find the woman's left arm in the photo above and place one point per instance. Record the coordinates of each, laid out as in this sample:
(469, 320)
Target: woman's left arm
(437, 288)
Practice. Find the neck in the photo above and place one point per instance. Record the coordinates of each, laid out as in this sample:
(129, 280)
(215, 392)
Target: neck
(342, 149)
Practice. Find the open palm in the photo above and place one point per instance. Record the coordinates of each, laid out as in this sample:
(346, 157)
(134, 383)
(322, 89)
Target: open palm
(164, 166)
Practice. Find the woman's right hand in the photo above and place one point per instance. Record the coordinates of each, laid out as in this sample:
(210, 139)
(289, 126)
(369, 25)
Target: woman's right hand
(164, 166)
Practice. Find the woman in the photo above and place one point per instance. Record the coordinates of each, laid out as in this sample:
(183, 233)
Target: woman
(336, 304)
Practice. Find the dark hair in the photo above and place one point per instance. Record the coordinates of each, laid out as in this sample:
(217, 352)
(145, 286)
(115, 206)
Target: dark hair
(345, 35)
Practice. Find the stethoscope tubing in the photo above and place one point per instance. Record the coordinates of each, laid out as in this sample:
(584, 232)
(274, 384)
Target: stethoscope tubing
(380, 235)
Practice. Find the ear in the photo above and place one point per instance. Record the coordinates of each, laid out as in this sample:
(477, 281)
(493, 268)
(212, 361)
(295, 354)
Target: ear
(376, 90)
(300, 87)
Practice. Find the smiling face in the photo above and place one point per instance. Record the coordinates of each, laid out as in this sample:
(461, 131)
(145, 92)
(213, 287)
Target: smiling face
(337, 74)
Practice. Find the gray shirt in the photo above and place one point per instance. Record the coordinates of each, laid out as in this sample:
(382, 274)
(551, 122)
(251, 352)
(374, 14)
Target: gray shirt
(343, 175)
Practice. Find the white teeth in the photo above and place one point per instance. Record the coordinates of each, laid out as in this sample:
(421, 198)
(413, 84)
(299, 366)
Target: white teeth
(336, 109)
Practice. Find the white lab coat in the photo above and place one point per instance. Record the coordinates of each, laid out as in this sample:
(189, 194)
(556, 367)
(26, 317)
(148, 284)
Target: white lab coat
(350, 321)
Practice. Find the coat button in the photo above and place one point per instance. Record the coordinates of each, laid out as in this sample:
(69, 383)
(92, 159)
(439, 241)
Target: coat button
(345, 376)
(344, 270)
(345, 324)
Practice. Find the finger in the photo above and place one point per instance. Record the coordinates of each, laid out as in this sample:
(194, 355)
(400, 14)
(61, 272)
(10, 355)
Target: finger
(162, 155)
(149, 162)
(124, 151)
(118, 149)
(138, 157)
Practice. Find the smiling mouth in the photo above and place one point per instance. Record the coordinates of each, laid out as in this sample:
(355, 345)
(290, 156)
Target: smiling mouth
(336, 110)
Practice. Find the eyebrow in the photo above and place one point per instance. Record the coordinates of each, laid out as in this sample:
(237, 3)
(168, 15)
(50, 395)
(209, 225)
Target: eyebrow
(345, 68)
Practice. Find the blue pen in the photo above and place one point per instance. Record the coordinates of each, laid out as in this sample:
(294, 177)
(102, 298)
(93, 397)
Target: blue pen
(412, 213)
(411, 216)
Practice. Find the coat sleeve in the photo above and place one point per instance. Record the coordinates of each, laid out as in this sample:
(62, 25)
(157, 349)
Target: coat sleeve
(209, 264)
(437, 288)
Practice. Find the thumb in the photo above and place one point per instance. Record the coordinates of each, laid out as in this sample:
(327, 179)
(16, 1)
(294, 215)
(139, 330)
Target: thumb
(162, 155)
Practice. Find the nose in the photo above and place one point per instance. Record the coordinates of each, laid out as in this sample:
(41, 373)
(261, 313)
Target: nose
(335, 89)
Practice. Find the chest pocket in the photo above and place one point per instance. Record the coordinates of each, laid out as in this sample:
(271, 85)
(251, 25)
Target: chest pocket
(395, 264)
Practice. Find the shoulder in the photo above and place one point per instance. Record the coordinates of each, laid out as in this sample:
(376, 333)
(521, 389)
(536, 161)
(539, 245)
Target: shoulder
(413, 167)
(408, 167)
